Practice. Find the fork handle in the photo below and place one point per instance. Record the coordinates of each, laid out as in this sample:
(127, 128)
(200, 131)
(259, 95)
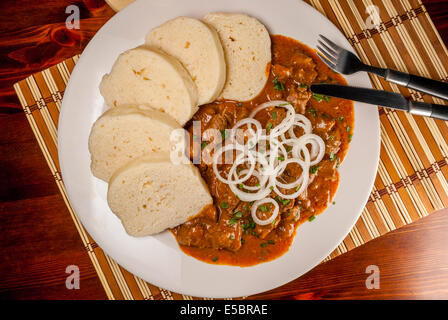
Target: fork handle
(435, 88)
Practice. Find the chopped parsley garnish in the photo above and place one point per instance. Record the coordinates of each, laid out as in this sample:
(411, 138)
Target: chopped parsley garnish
(341, 118)
(327, 98)
(224, 134)
(236, 216)
(269, 126)
(232, 237)
(313, 112)
(288, 148)
(318, 97)
(281, 158)
(274, 115)
(330, 138)
(282, 201)
(350, 136)
(252, 224)
(264, 244)
(224, 205)
(271, 188)
(314, 169)
(233, 221)
(349, 128)
(302, 85)
(249, 225)
(312, 218)
(332, 157)
(204, 144)
(265, 208)
(214, 259)
(277, 84)
(239, 104)
(334, 202)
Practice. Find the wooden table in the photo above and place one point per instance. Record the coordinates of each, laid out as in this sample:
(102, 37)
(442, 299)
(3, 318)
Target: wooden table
(38, 239)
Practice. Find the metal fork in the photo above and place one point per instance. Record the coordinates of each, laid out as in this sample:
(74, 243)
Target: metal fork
(345, 62)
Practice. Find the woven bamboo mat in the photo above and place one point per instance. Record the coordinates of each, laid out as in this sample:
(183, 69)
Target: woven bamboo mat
(412, 179)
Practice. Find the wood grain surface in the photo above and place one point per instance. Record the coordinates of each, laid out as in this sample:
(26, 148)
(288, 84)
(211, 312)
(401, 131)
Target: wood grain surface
(38, 239)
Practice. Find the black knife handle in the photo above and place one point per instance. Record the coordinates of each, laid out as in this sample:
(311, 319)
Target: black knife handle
(435, 88)
(432, 110)
(439, 112)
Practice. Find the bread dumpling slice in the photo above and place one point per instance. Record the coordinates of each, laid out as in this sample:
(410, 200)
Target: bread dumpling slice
(143, 76)
(152, 194)
(247, 50)
(125, 133)
(198, 48)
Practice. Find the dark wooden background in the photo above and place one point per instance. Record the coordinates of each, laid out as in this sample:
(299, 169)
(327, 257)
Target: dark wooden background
(38, 239)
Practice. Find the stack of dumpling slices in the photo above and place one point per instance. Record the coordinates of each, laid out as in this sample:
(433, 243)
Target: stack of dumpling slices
(152, 91)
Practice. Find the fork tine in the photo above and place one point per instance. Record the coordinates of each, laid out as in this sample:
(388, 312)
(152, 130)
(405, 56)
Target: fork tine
(331, 51)
(333, 45)
(327, 55)
(327, 62)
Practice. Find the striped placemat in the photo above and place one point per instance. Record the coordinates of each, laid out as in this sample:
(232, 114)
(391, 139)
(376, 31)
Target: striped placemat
(412, 179)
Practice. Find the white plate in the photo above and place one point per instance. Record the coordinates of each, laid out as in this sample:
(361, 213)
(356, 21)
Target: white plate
(157, 259)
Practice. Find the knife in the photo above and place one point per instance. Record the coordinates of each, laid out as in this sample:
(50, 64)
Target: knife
(383, 98)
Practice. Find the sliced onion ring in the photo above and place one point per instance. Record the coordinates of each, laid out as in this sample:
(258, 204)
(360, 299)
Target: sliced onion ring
(268, 220)
(256, 135)
(235, 164)
(285, 148)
